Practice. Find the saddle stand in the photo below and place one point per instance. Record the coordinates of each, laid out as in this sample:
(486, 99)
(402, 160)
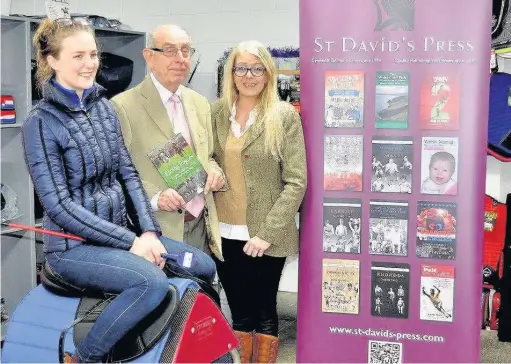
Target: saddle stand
(194, 321)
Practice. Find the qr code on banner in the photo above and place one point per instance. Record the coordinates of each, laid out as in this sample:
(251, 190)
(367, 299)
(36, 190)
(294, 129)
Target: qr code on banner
(383, 352)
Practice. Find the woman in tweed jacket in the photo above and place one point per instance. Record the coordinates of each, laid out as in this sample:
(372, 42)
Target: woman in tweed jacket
(260, 147)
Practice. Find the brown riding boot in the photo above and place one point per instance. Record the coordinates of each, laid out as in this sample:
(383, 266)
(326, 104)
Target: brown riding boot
(266, 348)
(245, 348)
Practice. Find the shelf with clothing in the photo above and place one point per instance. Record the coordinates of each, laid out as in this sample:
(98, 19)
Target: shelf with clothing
(21, 251)
(14, 66)
(16, 249)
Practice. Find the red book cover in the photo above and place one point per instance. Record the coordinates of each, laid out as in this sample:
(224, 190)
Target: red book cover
(437, 293)
(440, 101)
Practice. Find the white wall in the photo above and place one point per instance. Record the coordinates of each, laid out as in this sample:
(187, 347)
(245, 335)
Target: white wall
(215, 25)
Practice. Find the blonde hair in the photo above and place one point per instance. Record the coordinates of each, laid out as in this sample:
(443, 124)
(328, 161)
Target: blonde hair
(48, 42)
(268, 104)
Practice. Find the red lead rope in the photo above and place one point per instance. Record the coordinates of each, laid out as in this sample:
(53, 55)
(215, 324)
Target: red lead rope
(42, 231)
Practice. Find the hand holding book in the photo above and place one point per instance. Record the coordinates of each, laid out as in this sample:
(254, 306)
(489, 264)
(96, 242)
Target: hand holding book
(170, 200)
(180, 168)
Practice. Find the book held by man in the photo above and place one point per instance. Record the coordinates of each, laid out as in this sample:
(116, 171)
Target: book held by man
(179, 166)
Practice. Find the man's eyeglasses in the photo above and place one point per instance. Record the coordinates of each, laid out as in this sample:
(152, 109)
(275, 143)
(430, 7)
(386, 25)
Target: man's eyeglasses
(256, 71)
(172, 51)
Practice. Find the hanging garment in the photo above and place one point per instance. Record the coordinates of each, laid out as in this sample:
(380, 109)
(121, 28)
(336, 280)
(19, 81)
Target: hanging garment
(499, 120)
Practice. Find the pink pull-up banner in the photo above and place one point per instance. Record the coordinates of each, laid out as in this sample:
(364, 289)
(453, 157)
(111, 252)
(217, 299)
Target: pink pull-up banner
(394, 100)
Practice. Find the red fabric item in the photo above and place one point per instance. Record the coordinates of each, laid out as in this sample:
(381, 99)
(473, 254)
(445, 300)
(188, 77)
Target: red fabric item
(495, 306)
(494, 231)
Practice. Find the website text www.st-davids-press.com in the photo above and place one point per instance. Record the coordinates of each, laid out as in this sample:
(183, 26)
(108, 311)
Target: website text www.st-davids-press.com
(387, 334)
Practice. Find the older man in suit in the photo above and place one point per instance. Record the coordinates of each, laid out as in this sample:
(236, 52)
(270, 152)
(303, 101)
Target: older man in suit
(154, 111)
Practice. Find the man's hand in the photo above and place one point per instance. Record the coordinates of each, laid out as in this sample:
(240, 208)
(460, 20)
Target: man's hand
(255, 247)
(214, 182)
(170, 200)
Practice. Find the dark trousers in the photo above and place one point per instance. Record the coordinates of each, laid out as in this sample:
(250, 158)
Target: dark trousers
(251, 286)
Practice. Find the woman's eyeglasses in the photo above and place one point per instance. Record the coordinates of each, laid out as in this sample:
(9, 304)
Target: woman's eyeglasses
(256, 71)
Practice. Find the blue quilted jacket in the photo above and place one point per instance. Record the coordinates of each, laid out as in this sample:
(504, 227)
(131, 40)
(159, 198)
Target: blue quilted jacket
(82, 172)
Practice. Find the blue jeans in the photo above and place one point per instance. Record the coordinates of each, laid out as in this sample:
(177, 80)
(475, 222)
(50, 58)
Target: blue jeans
(140, 285)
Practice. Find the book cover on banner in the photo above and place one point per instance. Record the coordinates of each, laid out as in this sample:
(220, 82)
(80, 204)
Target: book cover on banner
(341, 225)
(437, 293)
(179, 167)
(340, 286)
(436, 230)
(390, 289)
(343, 162)
(440, 101)
(344, 99)
(439, 166)
(388, 228)
(391, 100)
(288, 80)
(392, 164)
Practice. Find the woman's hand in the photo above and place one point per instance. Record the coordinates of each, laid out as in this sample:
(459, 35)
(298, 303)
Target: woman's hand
(214, 182)
(256, 247)
(148, 246)
(142, 250)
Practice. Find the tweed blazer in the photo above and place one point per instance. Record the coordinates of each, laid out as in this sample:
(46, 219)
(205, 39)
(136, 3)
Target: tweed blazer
(145, 124)
(275, 188)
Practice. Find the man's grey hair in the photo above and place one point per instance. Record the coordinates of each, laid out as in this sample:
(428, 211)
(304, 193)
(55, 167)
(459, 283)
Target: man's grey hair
(151, 43)
(151, 36)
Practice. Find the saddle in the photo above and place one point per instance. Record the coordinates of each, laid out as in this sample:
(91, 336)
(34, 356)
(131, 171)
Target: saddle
(144, 336)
